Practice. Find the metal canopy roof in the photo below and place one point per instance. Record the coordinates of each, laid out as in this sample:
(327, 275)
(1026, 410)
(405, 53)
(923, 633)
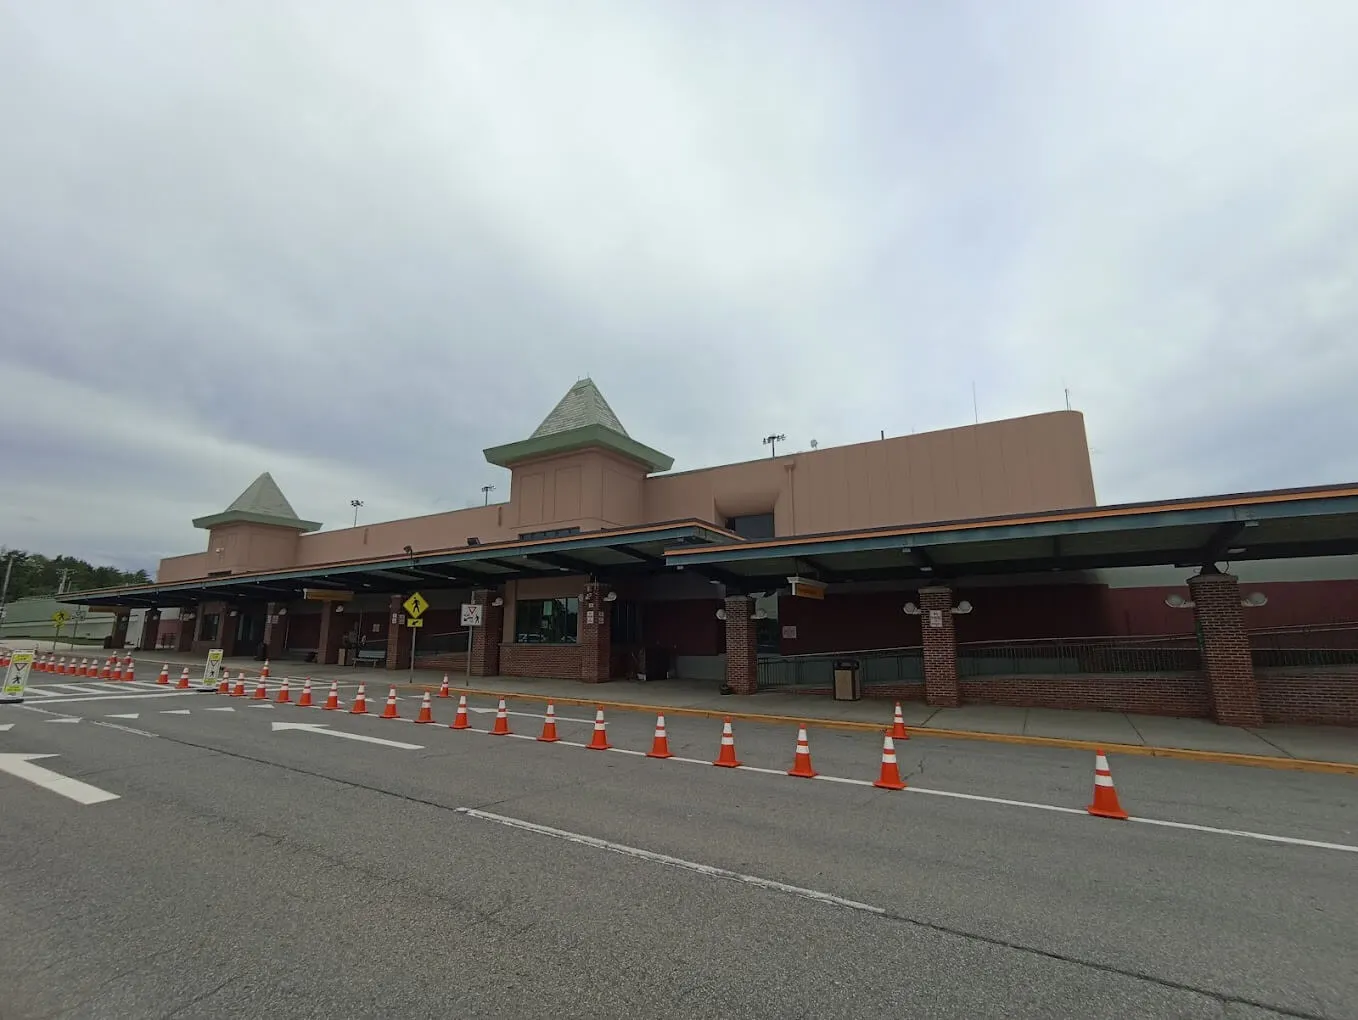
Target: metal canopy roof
(1191, 533)
(620, 551)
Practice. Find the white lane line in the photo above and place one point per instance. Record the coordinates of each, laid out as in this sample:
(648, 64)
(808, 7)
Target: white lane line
(66, 719)
(125, 729)
(124, 715)
(708, 870)
(114, 697)
(1003, 801)
(227, 709)
(1292, 840)
(175, 711)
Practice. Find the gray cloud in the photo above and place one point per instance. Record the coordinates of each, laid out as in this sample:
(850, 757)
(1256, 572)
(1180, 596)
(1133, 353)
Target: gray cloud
(354, 247)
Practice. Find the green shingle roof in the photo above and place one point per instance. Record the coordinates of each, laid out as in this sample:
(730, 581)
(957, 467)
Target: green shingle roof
(262, 502)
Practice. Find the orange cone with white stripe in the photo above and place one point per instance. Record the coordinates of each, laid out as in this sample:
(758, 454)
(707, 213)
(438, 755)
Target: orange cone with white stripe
(660, 746)
(117, 669)
(261, 694)
(284, 695)
(389, 710)
(183, 684)
(264, 673)
(164, 676)
(130, 674)
(332, 699)
(801, 761)
(599, 742)
(426, 710)
(443, 690)
(898, 725)
(238, 691)
(460, 721)
(106, 673)
(890, 778)
(305, 700)
(223, 684)
(549, 725)
(501, 727)
(726, 757)
(61, 666)
(1105, 804)
(83, 669)
(360, 705)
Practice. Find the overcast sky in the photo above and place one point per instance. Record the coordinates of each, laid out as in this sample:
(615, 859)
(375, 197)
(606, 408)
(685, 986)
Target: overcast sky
(356, 243)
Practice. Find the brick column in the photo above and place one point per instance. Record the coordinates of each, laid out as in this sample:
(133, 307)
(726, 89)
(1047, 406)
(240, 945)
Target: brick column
(1226, 657)
(398, 635)
(332, 630)
(596, 634)
(187, 628)
(742, 661)
(150, 631)
(939, 642)
(484, 650)
(226, 630)
(119, 636)
(273, 632)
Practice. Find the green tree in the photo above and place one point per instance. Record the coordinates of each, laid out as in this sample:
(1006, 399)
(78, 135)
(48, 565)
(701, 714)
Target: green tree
(36, 575)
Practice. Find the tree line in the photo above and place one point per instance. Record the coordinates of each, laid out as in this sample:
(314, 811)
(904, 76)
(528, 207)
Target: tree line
(35, 575)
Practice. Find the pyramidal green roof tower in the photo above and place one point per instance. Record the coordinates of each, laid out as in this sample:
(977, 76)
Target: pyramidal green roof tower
(580, 420)
(262, 503)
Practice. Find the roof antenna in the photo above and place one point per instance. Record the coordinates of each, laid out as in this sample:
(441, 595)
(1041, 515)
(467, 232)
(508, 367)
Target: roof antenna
(1067, 398)
(975, 409)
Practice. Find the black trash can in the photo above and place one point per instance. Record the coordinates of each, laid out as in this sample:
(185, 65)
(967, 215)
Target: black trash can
(848, 685)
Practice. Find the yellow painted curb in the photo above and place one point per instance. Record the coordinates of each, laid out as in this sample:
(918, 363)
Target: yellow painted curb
(1142, 750)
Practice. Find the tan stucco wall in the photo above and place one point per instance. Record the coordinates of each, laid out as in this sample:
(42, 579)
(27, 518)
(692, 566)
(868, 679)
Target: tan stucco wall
(1004, 468)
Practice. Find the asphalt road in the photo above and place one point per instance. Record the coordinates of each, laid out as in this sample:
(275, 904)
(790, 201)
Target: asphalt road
(247, 871)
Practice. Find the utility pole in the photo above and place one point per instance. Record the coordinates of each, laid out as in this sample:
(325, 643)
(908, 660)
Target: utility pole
(772, 443)
(10, 557)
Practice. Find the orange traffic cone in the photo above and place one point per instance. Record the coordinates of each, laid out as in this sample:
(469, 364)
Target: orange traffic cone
(898, 725)
(389, 711)
(117, 670)
(443, 690)
(660, 746)
(426, 710)
(183, 684)
(501, 727)
(238, 691)
(164, 677)
(599, 742)
(460, 721)
(223, 682)
(61, 666)
(1105, 803)
(264, 673)
(332, 699)
(801, 761)
(549, 725)
(284, 695)
(106, 673)
(360, 705)
(260, 693)
(890, 778)
(726, 757)
(130, 674)
(305, 700)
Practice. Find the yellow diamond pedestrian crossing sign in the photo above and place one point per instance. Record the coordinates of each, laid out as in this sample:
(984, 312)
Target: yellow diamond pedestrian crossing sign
(415, 606)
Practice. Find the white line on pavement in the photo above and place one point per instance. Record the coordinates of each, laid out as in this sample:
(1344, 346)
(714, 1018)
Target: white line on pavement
(125, 729)
(134, 693)
(21, 767)
(708, 870)
(1294, 841)
(6, 726)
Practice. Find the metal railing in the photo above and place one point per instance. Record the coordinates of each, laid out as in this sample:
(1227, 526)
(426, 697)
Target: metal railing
(1321, 646)
(1068, 656)
(877, 667)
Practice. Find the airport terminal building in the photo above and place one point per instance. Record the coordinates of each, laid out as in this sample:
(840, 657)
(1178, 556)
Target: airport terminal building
(969, 564)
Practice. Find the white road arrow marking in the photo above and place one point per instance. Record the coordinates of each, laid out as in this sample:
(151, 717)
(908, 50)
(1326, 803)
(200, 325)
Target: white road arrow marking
(21, 766)
(264, 705)
(321, 729)
(124, 715)
(227, 709)
(175, 711)
(6, 726)
(69, 718)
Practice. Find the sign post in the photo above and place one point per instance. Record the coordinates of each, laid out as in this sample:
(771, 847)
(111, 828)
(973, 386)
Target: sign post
(414, 607)
(471, 619)
(212, 670)
(59, 619)
(16, 677)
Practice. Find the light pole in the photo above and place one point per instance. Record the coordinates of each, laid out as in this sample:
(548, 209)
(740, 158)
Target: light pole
(772, 443)
(355, 503)
(486, 490)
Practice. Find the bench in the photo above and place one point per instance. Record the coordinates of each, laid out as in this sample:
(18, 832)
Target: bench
(370, 657)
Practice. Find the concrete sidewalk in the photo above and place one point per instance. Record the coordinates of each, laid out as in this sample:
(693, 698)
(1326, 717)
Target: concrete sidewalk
(1199, 738)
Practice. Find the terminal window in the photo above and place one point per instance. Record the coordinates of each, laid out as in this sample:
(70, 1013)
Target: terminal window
(547, 621)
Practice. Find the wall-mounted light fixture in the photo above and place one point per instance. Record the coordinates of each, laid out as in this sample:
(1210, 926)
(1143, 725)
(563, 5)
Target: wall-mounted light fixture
(721, 614)
(611, 597)
(498, 601)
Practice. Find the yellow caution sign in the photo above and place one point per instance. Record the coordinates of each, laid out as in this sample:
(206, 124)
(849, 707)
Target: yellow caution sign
(414, 621)
(415, 606)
